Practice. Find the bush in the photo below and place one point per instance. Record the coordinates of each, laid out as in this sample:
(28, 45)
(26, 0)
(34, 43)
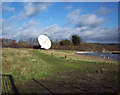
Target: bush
(65, 43)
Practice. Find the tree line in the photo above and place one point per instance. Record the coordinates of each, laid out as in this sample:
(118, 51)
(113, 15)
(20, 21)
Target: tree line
(33, 42)
(74, 44)
(30, 43)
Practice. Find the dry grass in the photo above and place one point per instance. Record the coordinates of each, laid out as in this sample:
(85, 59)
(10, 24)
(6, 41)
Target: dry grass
(51, 67)
(72, 55)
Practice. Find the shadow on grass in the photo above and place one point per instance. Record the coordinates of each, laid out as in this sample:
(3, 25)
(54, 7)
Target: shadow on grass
(43, 86)
(8, 85)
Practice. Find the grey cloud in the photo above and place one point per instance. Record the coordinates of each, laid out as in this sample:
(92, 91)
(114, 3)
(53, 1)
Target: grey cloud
(32, 9)
(0, 28)
(78, 20)
(6, 7)
(89, 20)
(103, 11)
(69, 7)
(27, 30)
(7, 27)
(87, 34)
(100, 35)
(31, 30)
(73, 16)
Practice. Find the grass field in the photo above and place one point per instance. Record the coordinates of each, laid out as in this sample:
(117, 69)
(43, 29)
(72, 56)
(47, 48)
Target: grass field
(74, 74)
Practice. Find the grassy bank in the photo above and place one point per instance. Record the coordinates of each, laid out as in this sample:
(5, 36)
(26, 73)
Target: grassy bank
(50, 66)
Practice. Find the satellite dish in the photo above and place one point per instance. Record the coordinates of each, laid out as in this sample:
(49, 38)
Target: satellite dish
(44, 41)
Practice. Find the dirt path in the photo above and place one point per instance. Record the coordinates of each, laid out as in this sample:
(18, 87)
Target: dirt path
(74, 82)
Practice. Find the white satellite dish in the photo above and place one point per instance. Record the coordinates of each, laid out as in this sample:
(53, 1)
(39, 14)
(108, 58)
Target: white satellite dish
(44, 41)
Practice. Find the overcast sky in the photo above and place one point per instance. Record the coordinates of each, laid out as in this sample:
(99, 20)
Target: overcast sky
(93, 22)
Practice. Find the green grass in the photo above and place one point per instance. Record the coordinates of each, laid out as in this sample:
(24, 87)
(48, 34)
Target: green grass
(71, 55)
(25, 64)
